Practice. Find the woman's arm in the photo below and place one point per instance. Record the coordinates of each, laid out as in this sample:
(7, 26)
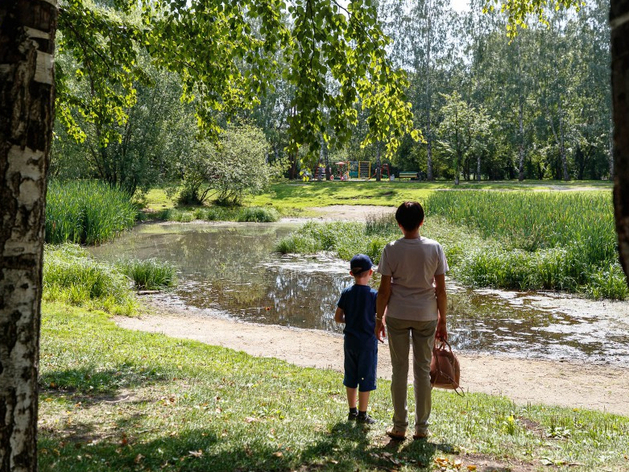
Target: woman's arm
(384, 293)
(442, 306)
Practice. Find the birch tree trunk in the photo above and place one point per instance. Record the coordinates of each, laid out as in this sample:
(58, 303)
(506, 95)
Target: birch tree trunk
(27, 38)
(429, 171)
(619, 20)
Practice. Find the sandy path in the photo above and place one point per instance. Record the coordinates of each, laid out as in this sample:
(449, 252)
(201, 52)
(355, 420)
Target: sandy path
(574, 385)
(569, 384)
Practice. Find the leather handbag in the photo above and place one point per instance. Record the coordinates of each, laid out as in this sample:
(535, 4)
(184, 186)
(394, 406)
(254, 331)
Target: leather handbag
(445, 371)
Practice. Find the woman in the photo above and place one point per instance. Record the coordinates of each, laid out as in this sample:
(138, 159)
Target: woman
(413, 294)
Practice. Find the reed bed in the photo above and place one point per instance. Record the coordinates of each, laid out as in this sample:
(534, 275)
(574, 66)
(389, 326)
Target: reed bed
(534, 220)
(86, 212)
(509, 240)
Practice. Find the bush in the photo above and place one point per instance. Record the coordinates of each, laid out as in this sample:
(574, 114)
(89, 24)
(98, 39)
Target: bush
(86, 212)
(71, 276)
(230, 169)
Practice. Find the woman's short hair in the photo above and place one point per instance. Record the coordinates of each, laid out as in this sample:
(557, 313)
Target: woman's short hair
(410, 215)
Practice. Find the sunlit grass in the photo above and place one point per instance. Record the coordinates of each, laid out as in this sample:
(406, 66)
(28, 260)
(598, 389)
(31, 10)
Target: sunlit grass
(113, 399)
(72, 276)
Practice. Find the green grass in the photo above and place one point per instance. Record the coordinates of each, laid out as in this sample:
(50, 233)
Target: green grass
(149, 274)
(216, 213)
(113, 399)
(86, 212)
(295, 198)
(70, 275)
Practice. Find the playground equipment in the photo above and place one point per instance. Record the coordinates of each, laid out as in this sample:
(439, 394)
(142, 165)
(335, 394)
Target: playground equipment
(384, 172)
(343, 170)
(361, 170)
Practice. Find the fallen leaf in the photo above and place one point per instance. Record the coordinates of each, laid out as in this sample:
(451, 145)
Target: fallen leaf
(138, 458)
(249, 419)
(278, 454)
(198, 453)
(471, 467)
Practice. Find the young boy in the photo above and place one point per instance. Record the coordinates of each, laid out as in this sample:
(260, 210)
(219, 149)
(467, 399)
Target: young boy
(357, 309)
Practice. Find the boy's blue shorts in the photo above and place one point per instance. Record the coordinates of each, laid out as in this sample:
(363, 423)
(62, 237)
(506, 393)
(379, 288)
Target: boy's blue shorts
(360, 368)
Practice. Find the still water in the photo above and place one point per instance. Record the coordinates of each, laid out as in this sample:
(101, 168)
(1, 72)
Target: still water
(231, 268)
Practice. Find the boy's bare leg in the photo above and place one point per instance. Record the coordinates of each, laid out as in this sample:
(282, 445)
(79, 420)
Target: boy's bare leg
(351, 396)
(363, 401)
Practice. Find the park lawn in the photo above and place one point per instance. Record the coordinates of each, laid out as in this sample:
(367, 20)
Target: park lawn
(294, 197)
(113, 399)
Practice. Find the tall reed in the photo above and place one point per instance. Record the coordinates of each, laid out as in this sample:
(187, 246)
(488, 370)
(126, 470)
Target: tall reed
(86, 212)
(149, 274)
(534, 220)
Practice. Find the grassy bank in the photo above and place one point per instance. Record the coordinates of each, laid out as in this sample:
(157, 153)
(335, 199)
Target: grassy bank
(113, 400)
(71, 276)
(511, 240)
(294, 198)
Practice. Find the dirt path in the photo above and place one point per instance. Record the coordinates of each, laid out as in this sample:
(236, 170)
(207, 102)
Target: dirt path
(524, 381)
(568, 384)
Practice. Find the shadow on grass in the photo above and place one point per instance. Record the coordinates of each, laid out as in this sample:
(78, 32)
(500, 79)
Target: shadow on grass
(97, 383)
(346, 447)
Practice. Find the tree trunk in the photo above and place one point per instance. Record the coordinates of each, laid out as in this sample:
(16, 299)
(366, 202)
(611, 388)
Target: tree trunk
(27, 34)
(562, 146)
(619, 20)
(429, 171)
(378, 165)
(478, 159)
(521, 114)
(521, 145)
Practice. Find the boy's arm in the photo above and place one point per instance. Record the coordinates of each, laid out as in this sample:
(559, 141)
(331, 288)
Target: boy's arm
(339, 316)
(442, 306)
(384, 293)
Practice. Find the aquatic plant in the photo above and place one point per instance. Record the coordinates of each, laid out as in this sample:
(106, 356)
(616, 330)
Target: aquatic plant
(149, 274)
(514, 240)
(258, 215)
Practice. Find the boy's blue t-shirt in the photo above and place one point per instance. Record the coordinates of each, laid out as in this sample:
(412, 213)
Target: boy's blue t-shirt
(359, 304)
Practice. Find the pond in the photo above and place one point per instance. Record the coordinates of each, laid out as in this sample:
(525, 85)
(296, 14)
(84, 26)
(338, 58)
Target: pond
(231, 268)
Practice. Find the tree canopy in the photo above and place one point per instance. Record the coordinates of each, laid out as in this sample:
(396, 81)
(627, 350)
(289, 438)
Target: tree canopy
(229, 55)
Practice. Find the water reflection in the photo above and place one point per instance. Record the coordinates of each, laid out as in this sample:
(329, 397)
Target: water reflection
(231, 267)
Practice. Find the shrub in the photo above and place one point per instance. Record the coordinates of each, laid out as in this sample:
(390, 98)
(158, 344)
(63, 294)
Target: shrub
(230, 169)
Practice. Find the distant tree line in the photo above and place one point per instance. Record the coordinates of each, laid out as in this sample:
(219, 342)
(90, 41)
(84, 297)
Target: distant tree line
(537, 106)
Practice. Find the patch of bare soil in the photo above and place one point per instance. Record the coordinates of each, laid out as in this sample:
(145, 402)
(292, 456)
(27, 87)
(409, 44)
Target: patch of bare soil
(568, 384)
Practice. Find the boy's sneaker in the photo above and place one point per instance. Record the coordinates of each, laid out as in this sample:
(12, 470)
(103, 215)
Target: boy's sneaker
(352, 416)
(365, 419)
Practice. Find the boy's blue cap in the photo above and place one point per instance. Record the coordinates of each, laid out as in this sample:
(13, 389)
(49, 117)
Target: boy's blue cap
(360, 263)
